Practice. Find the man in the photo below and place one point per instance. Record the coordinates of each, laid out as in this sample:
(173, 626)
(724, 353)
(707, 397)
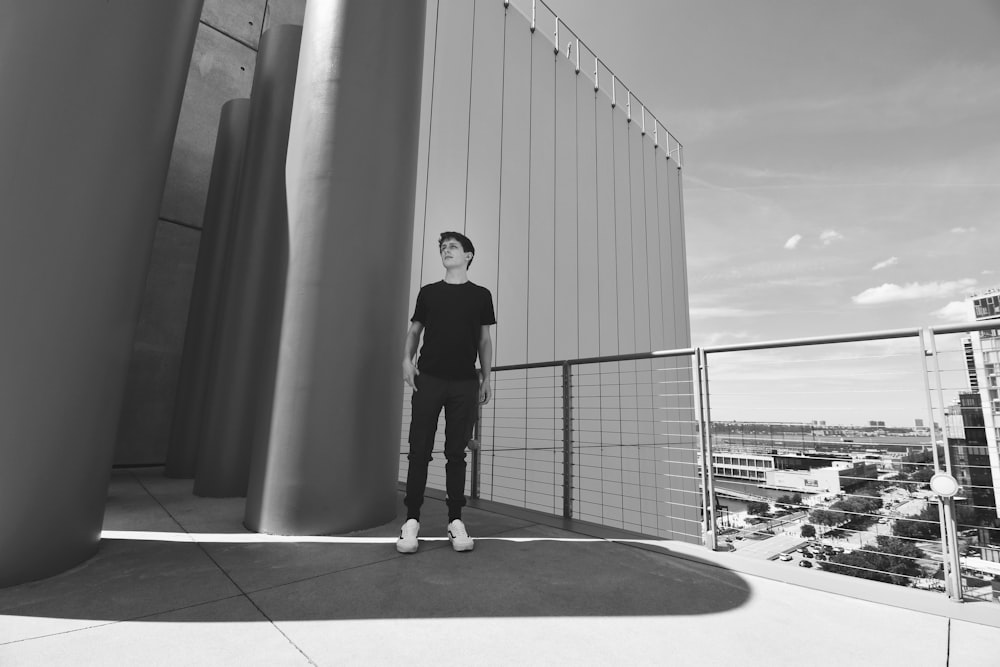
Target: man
(454, 315)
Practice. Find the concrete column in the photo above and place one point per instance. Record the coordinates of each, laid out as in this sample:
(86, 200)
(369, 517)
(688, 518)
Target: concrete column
(241, 380)
(91, 95)
(206, 295)
(332, 459)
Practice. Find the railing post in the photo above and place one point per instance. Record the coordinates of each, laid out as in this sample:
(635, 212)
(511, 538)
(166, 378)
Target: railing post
(567, 430)
(703, 416)
(946, 506)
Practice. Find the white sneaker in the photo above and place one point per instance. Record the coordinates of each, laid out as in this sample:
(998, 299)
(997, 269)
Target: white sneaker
(407, 542)
(459, 537)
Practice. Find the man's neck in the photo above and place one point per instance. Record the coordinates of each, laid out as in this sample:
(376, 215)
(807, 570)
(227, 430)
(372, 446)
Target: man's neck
(456, 276)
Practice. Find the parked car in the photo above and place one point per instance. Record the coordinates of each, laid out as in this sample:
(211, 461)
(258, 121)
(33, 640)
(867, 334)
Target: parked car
(785, 557)
(805, 563)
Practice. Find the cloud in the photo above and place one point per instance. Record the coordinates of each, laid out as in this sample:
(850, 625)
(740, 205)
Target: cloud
(963, 230)
(956, 312)
(988, 272)
(891, 292)
(724, 311)
(829, 236)
(886, 263)
(792, 242)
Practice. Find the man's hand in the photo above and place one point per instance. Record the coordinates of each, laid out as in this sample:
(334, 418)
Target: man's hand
(485, 392)
(410, 373)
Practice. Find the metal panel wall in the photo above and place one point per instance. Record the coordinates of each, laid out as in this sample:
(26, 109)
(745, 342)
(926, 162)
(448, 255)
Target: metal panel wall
(578, 237)
(588, 267)
(541, 202)
(567, 294)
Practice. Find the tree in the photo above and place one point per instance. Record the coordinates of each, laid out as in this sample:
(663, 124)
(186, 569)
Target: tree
(925, 525)
(826, 517)
(808, 531)
(794, 499)
(757, 507)
(922, 526)
(889, 559)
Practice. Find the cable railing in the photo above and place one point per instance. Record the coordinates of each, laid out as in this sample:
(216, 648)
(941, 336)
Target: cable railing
(822, 451)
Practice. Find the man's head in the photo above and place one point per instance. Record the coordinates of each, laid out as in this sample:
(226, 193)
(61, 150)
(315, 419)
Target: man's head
(455, 248)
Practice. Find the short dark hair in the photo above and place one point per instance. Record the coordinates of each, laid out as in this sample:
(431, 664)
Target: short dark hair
(461, 238)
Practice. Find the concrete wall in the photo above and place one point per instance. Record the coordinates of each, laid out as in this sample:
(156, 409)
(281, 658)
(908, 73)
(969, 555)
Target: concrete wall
(222, 68)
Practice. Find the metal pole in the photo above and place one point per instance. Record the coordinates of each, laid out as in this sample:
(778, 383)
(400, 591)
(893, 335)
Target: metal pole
(952, 573)
(567, 420)
(951, 516)
(703, 413)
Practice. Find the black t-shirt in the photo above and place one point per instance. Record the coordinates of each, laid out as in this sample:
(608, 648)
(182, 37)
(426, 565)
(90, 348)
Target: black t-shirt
(453, 316)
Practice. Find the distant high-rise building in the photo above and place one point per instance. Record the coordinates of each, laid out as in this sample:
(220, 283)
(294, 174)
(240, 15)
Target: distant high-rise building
(984, 376)
(969, 448)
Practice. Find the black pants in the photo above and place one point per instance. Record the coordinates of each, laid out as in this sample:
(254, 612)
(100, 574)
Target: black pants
(460, 400)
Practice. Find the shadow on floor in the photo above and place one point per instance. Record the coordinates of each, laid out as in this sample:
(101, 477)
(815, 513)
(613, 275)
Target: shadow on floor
(520, 568)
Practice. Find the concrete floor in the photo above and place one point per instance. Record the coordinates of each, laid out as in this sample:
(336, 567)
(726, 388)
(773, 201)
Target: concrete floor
(179, 581)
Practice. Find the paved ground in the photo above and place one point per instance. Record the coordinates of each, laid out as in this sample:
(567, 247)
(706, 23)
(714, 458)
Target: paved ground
(179, 581)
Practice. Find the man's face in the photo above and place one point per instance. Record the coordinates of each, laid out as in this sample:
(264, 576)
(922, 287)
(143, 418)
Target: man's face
(452, 255)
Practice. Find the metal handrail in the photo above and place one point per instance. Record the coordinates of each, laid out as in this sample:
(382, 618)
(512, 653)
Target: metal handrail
(979, 325)
(701, 394)
(817, 340)
(636, 356)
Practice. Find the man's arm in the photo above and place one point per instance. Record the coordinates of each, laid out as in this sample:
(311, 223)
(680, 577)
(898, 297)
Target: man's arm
(410, 371)
(485, 363)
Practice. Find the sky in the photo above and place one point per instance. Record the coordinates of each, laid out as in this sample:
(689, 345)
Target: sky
(841, 160)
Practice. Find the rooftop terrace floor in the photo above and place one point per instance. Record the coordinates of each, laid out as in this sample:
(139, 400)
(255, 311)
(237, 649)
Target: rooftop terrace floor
(179, 581)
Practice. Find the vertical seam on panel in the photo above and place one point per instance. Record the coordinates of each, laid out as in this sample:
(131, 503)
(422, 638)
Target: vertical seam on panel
(649, 324)
(597, 247)
(555, 238)
(555, 197)
(496, 345)
(618, 342)
(659, 245)
(503, 98)
(527, 300)
(645, 245)
(614, 203)
(631, 224)
(576, 202)
(430, 134)
(468, 132)
(634, 375)
(684, 276)
(663, 332)
(597, 223)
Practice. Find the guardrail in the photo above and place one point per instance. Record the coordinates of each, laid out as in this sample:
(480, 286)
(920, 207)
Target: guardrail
(624, 441)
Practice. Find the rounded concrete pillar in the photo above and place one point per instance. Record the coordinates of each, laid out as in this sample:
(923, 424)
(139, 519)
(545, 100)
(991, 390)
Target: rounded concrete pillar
(332, 459)
(91, 95)
(245, 344)
(206, 294)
